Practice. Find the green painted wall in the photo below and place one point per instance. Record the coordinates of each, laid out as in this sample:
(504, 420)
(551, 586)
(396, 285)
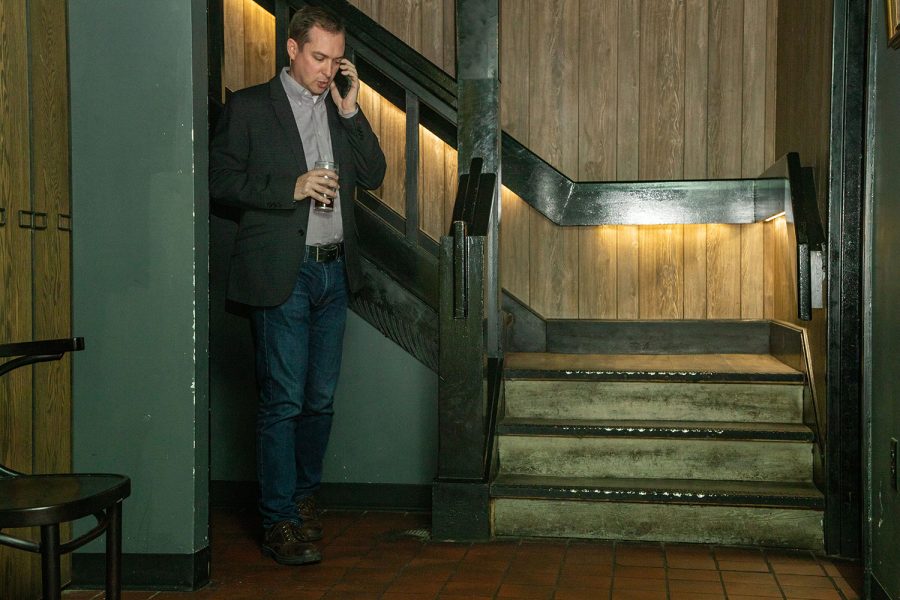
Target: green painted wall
(883, 387)
(139, 173)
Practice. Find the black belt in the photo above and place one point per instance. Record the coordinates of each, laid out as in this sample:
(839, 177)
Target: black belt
(325, 253)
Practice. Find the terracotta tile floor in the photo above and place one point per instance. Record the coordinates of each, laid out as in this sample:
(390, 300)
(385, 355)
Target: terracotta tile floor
(371, 555)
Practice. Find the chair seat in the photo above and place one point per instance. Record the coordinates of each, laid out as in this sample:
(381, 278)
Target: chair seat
(34, 500)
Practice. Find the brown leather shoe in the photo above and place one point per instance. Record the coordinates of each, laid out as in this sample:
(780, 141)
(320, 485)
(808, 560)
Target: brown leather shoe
(283, 543)
(310, 528)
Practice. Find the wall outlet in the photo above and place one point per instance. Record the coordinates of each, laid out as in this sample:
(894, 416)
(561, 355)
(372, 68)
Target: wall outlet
(894, 464)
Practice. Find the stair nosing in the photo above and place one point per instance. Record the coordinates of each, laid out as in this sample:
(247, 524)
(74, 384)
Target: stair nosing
(663, 429)
(674, 491)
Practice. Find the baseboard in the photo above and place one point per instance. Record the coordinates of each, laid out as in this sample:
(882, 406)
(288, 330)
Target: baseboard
(351, 496)
(164, 572)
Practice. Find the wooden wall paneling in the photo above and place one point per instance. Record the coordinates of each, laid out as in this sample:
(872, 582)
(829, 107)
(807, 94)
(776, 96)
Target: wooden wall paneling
(431, 184)
(553, 276)
(259, 47)
(233, 69)
(52, 282)
(628, 272)
(553, 104)
(370, 104)
(451, 183)
(723, 260)
(515, 49)
(597, 272)
(771, 78)
(661, 146)
(450, 37)
(598, 101)
(514, 245)
(696, 82)
(392, 135)
(661, 272)
(752, 271)
(18, 570)
(367, 6)
(753, 136)
(785, 272)
(52, 254)
(726, 33)
(769, 253)
(695, 280)
(432, 35)
(403, 18)
(629, 63)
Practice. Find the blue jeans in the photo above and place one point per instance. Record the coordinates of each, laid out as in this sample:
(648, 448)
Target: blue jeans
(298, 358)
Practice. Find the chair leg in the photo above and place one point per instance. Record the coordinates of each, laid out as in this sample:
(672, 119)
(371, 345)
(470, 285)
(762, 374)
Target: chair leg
(50, 578)
(114, 553)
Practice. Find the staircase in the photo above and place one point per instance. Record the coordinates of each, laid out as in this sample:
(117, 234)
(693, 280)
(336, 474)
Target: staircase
(682, 447)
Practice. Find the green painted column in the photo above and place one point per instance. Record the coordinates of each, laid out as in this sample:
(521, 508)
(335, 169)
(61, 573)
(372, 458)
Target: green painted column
(140, 243)
(882, 323)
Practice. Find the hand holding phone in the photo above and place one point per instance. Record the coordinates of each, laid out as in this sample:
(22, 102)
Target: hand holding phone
(345, 99)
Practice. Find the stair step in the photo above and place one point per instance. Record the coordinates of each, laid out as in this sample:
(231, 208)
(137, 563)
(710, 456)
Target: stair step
(647, 367)
(656, 429)
(788, 494)
(706, 401)
(745, 460)
(659, 522)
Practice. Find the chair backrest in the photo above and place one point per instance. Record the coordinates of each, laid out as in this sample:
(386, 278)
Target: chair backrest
(28, 353)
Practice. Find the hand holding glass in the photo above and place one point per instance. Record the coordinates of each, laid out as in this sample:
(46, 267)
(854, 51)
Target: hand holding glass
(331, 166)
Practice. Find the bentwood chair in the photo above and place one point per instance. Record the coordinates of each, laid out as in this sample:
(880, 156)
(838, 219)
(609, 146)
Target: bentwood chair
(46, 501)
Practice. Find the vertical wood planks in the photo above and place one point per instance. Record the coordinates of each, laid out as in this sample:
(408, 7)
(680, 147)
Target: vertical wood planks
(695, 280)
(597, 291)
(450, 37)
(627, 272)
(769, 254)
(554, 84)
(18, 570)
(52, 249)
(432, 36)
(553, 271)
(771, 66)
(661, 272)
(514, 244)
(723, 260)
(515, 46)
(392, 134)
(696, 82)
(259, 48)
(725, 88)
(403, 18)
(754, 89)
(629, 56)
(661, 120)
(752, 274)
(431, 184)
(233, 68)
(598, 100)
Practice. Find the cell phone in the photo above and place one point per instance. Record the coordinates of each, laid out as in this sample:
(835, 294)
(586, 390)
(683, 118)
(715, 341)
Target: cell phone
(342, 82)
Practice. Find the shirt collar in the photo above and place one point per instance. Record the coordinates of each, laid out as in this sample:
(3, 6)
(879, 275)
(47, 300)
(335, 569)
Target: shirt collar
(297, 92)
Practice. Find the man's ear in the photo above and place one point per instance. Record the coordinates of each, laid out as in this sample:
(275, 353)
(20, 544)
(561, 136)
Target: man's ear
(292, 48)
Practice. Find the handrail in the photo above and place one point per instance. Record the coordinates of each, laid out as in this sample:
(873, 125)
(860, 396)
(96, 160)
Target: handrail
(801, 210)
(468, 385)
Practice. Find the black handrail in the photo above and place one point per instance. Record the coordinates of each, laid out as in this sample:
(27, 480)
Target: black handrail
(468, 388)
(801, 210)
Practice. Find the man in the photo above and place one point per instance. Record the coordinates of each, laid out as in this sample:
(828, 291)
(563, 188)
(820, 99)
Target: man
(294, 264)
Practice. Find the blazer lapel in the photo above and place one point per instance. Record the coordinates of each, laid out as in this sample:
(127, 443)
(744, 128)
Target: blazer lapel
(282, 107)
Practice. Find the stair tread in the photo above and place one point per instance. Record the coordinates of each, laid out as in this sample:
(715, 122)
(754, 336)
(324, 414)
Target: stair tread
(659, 490)
(654, 428)
(649, 366)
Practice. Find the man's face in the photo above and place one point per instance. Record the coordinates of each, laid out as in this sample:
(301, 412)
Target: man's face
(315, 63)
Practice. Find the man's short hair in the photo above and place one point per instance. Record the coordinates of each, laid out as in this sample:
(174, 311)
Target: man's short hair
(312, 16)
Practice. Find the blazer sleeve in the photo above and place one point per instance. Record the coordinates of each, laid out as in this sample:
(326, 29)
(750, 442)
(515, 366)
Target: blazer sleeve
(367, 154)
(235, 178)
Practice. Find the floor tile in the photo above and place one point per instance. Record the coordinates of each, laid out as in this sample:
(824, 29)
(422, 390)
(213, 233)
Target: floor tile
(511, 590)
(631, 583)
(796, 592)
(694, 574)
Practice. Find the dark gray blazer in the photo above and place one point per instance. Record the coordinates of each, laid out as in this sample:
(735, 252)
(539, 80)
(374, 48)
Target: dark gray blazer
(255, 158)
